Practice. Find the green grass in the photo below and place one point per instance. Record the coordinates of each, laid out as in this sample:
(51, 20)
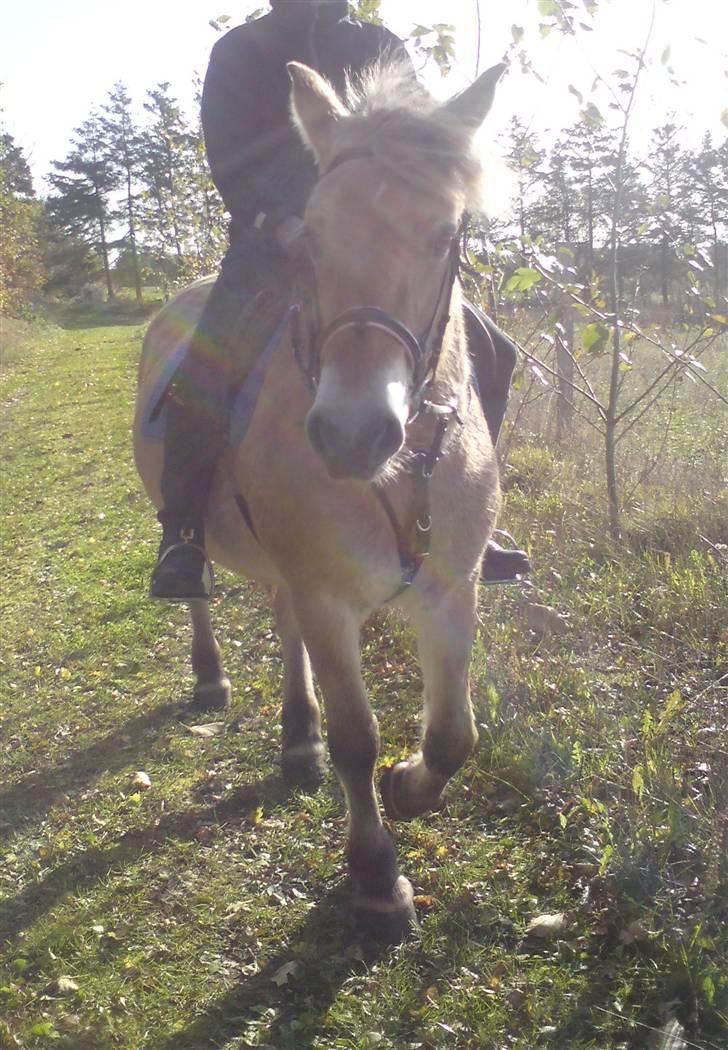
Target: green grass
(210, 909)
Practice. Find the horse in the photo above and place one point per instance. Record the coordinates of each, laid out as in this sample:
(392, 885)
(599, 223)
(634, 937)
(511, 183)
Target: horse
(366, 477)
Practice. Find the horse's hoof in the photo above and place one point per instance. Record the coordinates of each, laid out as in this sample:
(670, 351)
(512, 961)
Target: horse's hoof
(388, 920)
(212, 696)
(304, 765)
(392, 801)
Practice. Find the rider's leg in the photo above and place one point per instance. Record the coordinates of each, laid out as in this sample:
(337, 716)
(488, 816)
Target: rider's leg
(494, 358)
(221, 353)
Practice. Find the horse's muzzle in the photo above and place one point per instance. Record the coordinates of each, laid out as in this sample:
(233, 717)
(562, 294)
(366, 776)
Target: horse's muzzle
(350, 450)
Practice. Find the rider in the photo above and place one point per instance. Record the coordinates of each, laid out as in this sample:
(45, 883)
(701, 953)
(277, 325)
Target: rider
(265, 176)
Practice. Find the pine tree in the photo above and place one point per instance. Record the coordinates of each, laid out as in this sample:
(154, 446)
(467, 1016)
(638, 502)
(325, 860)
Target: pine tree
(666, 203)
(524, 158)
(83, 184)
(709, 176)
(122, 146)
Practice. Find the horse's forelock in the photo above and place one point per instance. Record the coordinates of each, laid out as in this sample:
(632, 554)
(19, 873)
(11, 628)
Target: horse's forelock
(405, 126)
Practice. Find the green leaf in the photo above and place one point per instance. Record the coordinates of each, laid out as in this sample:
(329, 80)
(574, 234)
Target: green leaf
(44, 1028)
(517, 33)
(523, 279)
(638, 782)
(594, 337)
(709, 989)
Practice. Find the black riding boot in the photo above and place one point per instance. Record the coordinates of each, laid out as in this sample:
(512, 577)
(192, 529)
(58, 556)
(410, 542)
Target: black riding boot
(494, 358)
(191, 453)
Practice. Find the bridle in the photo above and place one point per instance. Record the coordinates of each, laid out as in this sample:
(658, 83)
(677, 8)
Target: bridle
(413, 539)
(423, 351)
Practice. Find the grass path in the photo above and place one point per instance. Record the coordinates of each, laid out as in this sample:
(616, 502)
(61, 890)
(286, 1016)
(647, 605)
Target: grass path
(208, 909)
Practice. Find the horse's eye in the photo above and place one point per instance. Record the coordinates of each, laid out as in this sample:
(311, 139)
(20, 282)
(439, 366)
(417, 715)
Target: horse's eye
(441, 241)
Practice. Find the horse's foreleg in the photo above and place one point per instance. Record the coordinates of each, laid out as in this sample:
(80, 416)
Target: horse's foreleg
(445, 633)
(212, 688)
(383, 901)
(302, 750)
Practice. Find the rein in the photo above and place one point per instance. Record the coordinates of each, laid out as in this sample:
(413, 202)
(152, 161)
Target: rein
(413, 540)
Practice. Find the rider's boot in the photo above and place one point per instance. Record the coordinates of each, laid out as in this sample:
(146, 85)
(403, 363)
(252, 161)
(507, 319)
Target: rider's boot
(191, 452)
(503, 564)
(494, 358)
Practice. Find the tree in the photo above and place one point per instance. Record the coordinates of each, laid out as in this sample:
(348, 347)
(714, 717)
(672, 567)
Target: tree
(122, 146)
(21, 265)
(709, 175)
(524, 157)
(81, 203)
(167, 151)
(666, 165)
(17, 178)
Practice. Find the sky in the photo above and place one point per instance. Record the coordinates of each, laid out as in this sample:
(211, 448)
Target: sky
(58, 60)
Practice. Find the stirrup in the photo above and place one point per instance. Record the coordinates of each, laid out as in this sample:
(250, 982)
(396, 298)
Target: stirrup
(174, 584)
(517, 577)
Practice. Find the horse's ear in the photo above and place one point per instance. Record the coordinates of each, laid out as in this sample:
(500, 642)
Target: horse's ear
(471, 106)
(315, 107)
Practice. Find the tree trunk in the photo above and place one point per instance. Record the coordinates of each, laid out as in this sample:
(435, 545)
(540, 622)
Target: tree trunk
(664, 282)
(132, 240)
(565, 361)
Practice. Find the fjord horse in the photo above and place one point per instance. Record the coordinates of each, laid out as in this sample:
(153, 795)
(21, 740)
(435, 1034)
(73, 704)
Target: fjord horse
(366, 476)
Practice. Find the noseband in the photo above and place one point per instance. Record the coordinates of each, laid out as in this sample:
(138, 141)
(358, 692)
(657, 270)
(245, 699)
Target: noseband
(423, 352)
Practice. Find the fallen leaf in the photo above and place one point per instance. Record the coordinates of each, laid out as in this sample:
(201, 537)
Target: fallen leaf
(287, 971)
(65, 986)
(207, 730)
(634, 932)
(544, 620)
(206, 833)
(516, 999)
(669, 1037)
(546, 926)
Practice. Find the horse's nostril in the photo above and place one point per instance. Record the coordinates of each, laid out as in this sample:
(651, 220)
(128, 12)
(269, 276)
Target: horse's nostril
(354, 450)
(321, 433)
(388, 441)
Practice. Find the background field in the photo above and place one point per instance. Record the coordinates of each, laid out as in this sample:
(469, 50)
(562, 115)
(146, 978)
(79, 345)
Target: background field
(207, 909)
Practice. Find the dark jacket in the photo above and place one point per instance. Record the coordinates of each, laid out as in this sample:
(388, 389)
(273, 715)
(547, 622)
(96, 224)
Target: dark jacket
(256, 157)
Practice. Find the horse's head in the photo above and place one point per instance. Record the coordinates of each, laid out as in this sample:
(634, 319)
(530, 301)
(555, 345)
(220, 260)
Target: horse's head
(397, 172)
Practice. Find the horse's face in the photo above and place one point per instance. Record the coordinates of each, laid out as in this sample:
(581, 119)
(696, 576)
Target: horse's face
(372, 245)
(375, 241)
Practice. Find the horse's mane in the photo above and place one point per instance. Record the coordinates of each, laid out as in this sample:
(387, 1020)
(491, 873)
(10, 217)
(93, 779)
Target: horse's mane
(393, 115)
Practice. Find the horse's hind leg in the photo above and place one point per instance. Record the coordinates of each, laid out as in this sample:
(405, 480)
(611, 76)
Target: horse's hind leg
(383, 902)
(212, 688)
(445, 633)
(302, 750)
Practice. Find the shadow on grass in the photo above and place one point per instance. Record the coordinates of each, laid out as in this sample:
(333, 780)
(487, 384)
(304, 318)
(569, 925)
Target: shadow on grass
(34, 795)
(287, 1017)
(20, 912)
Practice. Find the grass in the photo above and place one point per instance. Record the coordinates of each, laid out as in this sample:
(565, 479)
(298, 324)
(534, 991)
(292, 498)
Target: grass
(209, 910)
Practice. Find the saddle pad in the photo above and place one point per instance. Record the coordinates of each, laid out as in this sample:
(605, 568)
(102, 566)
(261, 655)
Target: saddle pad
(154, 417)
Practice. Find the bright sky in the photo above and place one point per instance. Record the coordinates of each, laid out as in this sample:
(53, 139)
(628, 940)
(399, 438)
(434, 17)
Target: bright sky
(59, 59)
